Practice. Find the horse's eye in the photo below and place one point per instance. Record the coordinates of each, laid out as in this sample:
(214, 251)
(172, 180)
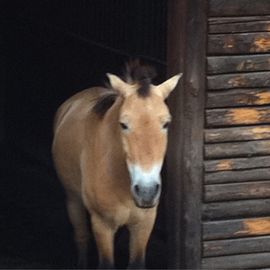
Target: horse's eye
(166, 125)
(123, 126)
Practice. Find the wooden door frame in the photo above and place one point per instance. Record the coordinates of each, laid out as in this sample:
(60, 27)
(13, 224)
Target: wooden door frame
(186, 47)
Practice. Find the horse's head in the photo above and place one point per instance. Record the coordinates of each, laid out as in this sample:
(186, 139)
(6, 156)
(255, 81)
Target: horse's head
(143, 122)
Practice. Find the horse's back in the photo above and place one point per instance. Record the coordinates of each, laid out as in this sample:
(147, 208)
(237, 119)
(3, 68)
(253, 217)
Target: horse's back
(69, 136)
(80, 101)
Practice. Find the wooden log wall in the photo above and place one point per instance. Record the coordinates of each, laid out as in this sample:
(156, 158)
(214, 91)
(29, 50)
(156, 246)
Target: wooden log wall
(236, 196)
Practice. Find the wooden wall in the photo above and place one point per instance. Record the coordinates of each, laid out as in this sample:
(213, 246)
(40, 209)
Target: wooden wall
(236, 195)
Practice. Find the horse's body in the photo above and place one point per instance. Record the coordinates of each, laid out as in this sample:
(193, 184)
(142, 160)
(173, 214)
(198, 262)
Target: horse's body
(94, 164)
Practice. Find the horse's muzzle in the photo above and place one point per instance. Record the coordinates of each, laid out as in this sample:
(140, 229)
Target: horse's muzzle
(146, 196)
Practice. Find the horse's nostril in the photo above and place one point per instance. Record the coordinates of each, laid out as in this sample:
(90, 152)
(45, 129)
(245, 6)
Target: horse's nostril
(137, 189)
(157, 187)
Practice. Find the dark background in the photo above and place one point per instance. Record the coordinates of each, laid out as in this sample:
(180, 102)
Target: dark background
(52, 49)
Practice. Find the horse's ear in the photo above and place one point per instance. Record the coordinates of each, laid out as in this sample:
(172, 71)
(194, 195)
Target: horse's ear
(164, 89)
(119, 85)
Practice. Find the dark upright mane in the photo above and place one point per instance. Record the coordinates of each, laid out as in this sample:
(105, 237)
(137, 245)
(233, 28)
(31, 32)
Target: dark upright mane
(140, 74)
(104, 103)
(134, 73)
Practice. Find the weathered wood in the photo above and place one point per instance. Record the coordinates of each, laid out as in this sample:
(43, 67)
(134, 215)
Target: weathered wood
(238, 27)
(242, 43)
(233, 209)
(187, 24)
(236, 176)
(237, 149)
(236, 246)
(238, 63)
(237, 98)
(174, 196)
(236, 164)
(219, 8)
(237, 19)
(246, 261)
(237, 116)
(236, 228)
(239, 80)
(237, 191)
(248, 133)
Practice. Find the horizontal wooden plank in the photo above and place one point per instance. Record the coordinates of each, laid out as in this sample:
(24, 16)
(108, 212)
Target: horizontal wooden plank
(237, 191)
(237, 149)
(236, 246)
(219, 8)
(237, 19)
(241, 43)
(237, 98)
(235, 228)
(237, 164)
(236, 176)
(255, 260)
(239, 80)
(238, 116)
(234, 209)
(246, 133)
(225, 26)
(238, 63)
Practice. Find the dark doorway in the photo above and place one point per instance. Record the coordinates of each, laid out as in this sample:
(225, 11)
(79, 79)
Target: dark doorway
(51, 50)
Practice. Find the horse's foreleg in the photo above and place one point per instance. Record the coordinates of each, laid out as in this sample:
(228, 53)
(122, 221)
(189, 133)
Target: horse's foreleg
(104, 235)
(139, 236)
(78, 218)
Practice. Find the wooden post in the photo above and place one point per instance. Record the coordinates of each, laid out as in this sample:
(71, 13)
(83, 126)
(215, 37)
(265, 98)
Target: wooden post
(187, 34)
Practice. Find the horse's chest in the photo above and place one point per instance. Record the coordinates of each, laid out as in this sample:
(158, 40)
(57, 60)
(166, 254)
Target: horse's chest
(115, 206)
(123, 215)
(108, 206)
(116, 215)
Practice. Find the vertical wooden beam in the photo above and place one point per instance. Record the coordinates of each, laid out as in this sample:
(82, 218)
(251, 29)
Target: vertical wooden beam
(174, 196)
(187, 26)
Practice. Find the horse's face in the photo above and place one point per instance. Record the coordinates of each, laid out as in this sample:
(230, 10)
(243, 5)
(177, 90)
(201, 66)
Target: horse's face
(143, 124)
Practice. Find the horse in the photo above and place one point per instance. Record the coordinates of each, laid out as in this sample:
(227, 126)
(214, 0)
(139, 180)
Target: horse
(108, 149)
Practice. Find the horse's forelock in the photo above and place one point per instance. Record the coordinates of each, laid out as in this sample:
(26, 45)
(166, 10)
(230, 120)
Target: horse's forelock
(135, 72)
(140, 74)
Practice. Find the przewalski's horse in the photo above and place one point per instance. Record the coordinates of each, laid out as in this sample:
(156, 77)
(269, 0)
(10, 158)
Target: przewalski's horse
(108, 149)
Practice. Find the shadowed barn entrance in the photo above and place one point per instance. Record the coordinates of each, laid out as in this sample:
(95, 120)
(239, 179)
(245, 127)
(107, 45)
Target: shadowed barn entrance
(53, 49)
